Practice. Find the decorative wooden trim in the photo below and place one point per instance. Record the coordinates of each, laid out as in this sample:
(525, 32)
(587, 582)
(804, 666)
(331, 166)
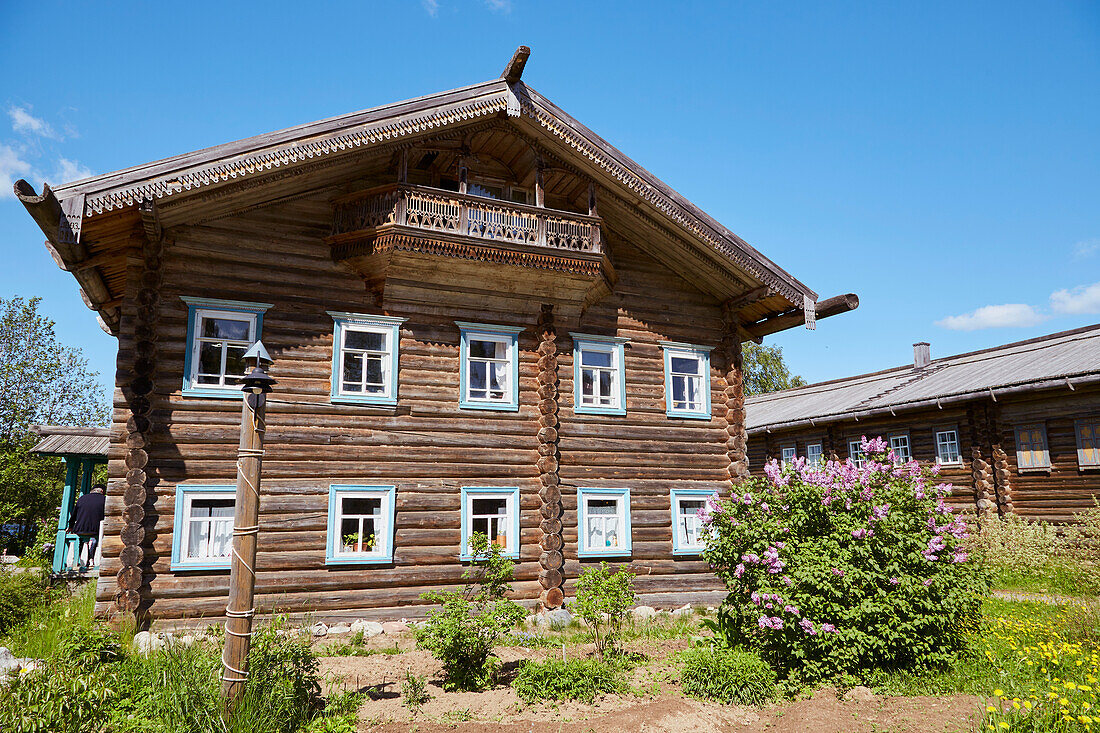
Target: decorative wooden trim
(396, 240)
(552, 575)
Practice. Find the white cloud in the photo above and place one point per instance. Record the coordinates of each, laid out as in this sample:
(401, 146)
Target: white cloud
(431, 7)
(500, 6)
(1010, 315)
(1086, 248)
(23, 121)
(69, 171)
(12, 166)
(1082, 299)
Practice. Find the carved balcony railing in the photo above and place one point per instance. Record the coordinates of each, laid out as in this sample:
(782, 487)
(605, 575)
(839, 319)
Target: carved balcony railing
(456, 214)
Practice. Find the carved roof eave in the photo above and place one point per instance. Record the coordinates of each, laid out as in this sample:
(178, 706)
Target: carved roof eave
(331, 138)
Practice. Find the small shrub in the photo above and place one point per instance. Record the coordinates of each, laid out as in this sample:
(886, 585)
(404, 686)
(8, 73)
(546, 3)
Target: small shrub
(87, 647)
(464, 631)
(727, 675)
(603, 601)
(1083, 540)
(414, 691)
(833, 568)
(54, 699)
(1015, 544)
(21, 594)
(575, 679)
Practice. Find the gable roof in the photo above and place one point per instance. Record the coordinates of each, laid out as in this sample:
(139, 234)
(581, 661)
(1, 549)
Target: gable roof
(1067, 357)
(60, 440)
(252, 163)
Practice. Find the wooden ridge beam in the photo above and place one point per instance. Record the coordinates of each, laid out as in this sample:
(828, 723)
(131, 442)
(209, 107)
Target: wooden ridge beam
(796, 317)
(514, 70)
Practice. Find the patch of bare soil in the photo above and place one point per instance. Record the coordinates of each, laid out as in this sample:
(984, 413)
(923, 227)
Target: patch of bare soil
(660, 708)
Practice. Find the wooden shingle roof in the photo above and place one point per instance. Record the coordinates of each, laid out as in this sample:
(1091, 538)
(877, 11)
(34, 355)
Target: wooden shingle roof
(60, 440)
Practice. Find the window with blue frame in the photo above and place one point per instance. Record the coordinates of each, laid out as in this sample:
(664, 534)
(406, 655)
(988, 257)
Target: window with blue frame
(488, 366)
(603, 518)
(687, 380)
(202, 535)
(494, 512)
(599, 384)
(688, 534)
(219, 332)
(365, 358)
(360, 525)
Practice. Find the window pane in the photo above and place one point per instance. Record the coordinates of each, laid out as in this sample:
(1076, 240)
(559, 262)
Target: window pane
(596, 358)
(488, 349)
(685, 366)
(353, 372)
(490, 506)
(375, 374)
(349, 534)
(605, 383)
(212, 507)
(210, 358)
(691, 506)
(587, 382)
(499, 381)
(197, 539)
(367, 341)
(361, 505)
(225, 328)
(679, 388)
(602, 506)
(234, 362)
(221, 544)
(477, 375)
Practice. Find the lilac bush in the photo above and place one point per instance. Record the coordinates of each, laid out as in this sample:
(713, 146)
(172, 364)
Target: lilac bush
(836, 569)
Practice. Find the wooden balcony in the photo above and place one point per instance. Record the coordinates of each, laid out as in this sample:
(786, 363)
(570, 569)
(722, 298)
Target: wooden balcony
(473, 221)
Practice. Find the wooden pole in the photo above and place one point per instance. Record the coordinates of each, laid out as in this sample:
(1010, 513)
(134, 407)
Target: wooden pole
(242, 575)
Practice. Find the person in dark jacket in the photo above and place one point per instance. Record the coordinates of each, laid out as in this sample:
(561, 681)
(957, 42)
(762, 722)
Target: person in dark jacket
(86, 520)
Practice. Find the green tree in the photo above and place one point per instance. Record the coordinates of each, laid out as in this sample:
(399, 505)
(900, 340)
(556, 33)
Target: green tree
(765, 370)
(41, 382)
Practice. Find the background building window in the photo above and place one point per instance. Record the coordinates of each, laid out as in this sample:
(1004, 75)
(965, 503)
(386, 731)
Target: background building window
(494, 512)
(604, 522)
(787, 454)
(814, 454)
(947, 447)
(360, 525)
(855, 452)
(1031, 447)
(202, 536)
(1088, 442)
(899, 444)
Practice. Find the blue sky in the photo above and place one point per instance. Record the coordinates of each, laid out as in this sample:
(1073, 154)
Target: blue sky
(942, 160)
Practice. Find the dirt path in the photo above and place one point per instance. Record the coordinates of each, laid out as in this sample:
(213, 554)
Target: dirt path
(662, 706)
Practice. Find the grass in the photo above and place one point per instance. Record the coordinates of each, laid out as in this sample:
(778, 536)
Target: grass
(39, 635)
(356, 646)
(1055, 578)
(573, 679)
(656, 628)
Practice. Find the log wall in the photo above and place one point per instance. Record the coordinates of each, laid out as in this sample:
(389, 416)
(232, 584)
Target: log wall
(428, 447)
(989, 479)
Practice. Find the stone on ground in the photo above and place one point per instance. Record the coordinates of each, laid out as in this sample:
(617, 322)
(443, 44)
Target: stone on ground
(369, 628)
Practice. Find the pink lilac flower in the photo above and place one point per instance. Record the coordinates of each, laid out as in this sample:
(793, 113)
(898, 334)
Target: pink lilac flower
(828, 628)
(791, 609)
(787, 580)
(879, 513)
(928, 582)
(959, 556)
(838, 572)
(894, 581)
(808, 626)
(755, 598)
(864, 533)
(739, 570)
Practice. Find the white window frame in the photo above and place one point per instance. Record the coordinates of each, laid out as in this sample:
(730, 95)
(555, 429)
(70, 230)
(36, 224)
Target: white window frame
(607, 345)
(1093, 424)
(941, 443)
(819, 458)
(680, 546)
(787, 454)
(908, 444)
(511, 496)
(181, 530)
(855, 452)
(1024, 445)
(200, 309)
(390, 328)
(687, 351)
(382, 552)
(622, 513)
(508, 335)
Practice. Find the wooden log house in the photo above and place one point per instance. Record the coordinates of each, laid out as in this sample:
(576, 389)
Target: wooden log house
(1015, 428)
(482, 316)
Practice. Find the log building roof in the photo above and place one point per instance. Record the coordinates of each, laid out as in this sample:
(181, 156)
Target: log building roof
(90, 224)
(1060, 359)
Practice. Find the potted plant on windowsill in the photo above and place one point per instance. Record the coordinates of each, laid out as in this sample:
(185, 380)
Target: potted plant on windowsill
(351, 543)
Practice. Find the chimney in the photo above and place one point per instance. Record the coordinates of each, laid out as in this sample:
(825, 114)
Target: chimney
(922, 354)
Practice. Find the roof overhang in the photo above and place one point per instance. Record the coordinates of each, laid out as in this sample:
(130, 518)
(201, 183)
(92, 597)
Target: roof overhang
(72, 442)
